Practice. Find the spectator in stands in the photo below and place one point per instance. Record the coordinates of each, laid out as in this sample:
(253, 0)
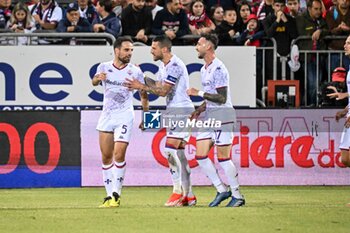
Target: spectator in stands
(171, 21)
(198, 20)
(73, 22)
(282, 28)
(226, 4)
(338, 21)
(87, 10)
(107, 20)
(311, 23)
(137, 20)
(293, 8)
(5, 13)
(245, 11)
(217, 14)
(264, 9)
(152, 4)
(118, 6)
(228, 30)
(47, 14)
(186, 5)
(252, 34)
(21, 21)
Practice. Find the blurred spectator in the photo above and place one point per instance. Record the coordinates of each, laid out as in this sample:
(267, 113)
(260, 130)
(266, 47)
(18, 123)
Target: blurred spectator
(198, 20)
(152, 4)
(118, 6)
(252, 34)
(87, 10)
(5, 13)
(264, 9)
(293, 8)
(137, 20)
(226, 4)
(338, 21)
(107, 20)
(21, 21)
(228, 30)
(47, 14)
(281, 27)
(217, 14)
(73, 22)
(171, 21)
(186, 5)
(244, 12)
(311, 23)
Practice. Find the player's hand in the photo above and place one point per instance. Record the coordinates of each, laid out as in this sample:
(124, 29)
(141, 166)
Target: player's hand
(101, 76)
(340, 115)
(347, 122)
(133, 84)
(195, 115)
(141, 126)
(192, 91)
(336, 94)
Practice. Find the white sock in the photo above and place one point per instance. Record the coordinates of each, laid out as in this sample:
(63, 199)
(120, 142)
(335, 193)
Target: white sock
(175, 169)
(232, 177)
(185, 174)
(108, 180)
(119, 173)
(209, 169)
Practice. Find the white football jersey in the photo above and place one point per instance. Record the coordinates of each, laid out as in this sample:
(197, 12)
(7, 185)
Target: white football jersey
(117, 97)
(348, 86)
(175, 73)
(215, 76)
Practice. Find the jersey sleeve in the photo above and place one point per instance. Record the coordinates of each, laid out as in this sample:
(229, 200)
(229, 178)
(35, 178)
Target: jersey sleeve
(140, 76)
(173, 74)
(221, 78)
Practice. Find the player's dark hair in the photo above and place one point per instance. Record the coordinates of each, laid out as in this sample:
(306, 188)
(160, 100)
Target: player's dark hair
(213, 38)
(119, 41)
(163, 41)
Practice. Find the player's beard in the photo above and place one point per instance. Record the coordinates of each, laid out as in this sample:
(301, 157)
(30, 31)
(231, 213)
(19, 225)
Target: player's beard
(125, 60)
(157, 58)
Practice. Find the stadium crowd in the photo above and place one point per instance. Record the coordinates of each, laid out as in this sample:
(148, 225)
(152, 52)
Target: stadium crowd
(240, 22)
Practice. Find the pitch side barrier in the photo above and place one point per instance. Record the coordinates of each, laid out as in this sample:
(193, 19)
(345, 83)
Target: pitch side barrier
(48, 37)
(323, 60)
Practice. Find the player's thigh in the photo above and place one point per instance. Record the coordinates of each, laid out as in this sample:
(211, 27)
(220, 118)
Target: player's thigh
(106, 140)
(345, 139)
(203, 147)
(224, 151)
(173, 142)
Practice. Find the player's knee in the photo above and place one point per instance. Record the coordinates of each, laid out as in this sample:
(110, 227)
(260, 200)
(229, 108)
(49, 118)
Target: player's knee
(171, 155)
(345, 161)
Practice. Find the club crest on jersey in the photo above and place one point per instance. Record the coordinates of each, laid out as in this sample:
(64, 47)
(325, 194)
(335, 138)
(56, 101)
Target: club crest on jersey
(129, 72)
(110, 71)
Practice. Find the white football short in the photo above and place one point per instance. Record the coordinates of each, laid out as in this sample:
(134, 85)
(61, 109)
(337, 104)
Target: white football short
(221, 136)
(121, 126)
(345, 139)
(179, 115)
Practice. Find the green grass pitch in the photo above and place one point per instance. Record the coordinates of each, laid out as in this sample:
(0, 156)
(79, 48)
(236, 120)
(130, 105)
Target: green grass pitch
(302, 209)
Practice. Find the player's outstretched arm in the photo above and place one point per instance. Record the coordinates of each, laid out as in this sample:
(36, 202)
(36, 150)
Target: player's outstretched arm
(152, 87)
(145, 106)
(219, 98)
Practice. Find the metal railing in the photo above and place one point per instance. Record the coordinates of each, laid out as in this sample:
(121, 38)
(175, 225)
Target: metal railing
(317, 54)
(56, 38)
